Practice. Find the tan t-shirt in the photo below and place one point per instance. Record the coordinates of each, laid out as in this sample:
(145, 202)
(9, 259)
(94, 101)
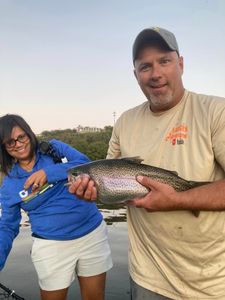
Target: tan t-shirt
(174, 253)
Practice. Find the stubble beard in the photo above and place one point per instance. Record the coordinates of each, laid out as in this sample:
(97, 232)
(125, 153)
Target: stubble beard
(160, 102)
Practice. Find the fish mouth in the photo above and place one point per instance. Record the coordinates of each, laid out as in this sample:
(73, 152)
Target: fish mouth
(72, 177)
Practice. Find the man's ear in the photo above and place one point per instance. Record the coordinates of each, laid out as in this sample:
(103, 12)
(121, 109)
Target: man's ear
(135, 74)
(181, 64)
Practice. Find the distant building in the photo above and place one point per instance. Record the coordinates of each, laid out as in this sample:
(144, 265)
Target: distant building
(82, 129)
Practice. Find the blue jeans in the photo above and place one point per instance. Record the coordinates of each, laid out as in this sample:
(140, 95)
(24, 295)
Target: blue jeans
(137, 292)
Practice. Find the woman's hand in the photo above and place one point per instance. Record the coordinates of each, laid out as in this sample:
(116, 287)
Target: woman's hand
(37, 180)
(83, 187)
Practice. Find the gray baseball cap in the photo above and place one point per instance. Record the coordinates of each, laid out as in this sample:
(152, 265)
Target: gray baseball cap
(153, 34)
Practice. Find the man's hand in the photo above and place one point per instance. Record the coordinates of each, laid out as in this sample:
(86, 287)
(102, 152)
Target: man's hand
(162, 197)
(37, 180)
(83, 187)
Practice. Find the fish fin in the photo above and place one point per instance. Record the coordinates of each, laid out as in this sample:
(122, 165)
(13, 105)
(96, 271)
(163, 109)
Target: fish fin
(136, 159)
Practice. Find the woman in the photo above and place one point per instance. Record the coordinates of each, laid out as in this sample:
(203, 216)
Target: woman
(69, 234)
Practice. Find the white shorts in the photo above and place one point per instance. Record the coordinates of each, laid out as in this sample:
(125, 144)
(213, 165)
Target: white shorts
(57, 262)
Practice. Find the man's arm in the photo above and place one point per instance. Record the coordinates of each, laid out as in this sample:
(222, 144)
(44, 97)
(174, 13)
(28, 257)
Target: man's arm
(162, 197)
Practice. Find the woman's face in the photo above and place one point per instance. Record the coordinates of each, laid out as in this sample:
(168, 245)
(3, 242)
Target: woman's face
(18, 146)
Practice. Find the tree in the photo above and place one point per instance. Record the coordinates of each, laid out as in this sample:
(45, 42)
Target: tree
(93, 144)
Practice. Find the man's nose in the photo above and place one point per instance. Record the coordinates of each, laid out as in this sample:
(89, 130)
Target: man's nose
(156, 72)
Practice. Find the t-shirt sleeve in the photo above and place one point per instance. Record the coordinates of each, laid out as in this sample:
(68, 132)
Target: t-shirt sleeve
(114, 143)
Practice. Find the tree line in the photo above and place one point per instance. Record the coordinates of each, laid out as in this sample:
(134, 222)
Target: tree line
(93, 144)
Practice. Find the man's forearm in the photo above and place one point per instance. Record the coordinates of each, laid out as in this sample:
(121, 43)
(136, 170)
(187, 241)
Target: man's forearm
(163, 197)
(207, 197)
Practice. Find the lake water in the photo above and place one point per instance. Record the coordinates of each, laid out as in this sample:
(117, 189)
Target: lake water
(19, 273)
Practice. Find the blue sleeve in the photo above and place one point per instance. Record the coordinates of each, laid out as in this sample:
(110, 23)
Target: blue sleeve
(58, 171)
(9, 226)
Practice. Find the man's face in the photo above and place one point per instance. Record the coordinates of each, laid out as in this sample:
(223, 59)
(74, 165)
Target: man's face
(159, 74)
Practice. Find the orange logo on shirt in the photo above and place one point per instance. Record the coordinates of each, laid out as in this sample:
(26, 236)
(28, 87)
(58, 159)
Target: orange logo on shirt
(177, 135)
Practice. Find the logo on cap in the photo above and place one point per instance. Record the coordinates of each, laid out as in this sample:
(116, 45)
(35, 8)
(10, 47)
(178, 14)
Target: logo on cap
(157, 29)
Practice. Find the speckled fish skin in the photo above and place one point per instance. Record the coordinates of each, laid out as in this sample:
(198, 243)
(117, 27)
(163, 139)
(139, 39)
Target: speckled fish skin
(115, 179)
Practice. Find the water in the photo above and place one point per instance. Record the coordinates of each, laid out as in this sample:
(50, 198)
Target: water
(19, 273)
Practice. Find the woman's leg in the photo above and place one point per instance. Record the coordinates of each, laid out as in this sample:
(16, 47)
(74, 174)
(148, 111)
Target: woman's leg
(94, 261)
(54, 264)
(54, 295)
(92, 287)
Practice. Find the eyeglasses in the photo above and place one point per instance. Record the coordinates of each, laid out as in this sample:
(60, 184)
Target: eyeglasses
(22, 138)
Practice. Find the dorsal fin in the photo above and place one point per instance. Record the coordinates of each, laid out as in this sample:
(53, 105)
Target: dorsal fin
(136, 159)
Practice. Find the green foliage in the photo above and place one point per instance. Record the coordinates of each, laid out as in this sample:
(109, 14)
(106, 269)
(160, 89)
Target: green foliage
(93, 144)
(1, 177)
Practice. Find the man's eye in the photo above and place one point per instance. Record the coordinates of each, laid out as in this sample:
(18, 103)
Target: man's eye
(145, 68)
(165, 61)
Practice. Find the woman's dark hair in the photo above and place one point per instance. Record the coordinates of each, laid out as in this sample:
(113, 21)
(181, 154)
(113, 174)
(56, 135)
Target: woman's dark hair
(7, 123)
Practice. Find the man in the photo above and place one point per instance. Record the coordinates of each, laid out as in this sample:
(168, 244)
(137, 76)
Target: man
(172, 253)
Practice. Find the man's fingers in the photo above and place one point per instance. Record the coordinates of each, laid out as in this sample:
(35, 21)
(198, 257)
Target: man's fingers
(148, 182)
(144, 180)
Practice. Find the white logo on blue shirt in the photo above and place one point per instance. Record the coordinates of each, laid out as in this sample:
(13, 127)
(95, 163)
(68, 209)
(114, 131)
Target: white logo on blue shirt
(23, 194)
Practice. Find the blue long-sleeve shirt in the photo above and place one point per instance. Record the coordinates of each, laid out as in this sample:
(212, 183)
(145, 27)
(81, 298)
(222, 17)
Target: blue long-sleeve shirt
(54, 213)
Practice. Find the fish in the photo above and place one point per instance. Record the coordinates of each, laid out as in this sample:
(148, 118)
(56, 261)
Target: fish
(115, 179)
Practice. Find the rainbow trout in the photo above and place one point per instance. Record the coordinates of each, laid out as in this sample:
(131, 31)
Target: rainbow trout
(115, 179)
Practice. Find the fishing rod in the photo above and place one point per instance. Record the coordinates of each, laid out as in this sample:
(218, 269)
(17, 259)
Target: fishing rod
(6, 293)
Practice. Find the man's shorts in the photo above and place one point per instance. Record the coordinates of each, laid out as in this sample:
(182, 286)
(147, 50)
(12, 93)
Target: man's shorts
(57, 262)
(137, 292)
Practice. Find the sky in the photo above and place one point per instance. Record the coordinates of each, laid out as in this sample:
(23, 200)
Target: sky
(68, 63)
